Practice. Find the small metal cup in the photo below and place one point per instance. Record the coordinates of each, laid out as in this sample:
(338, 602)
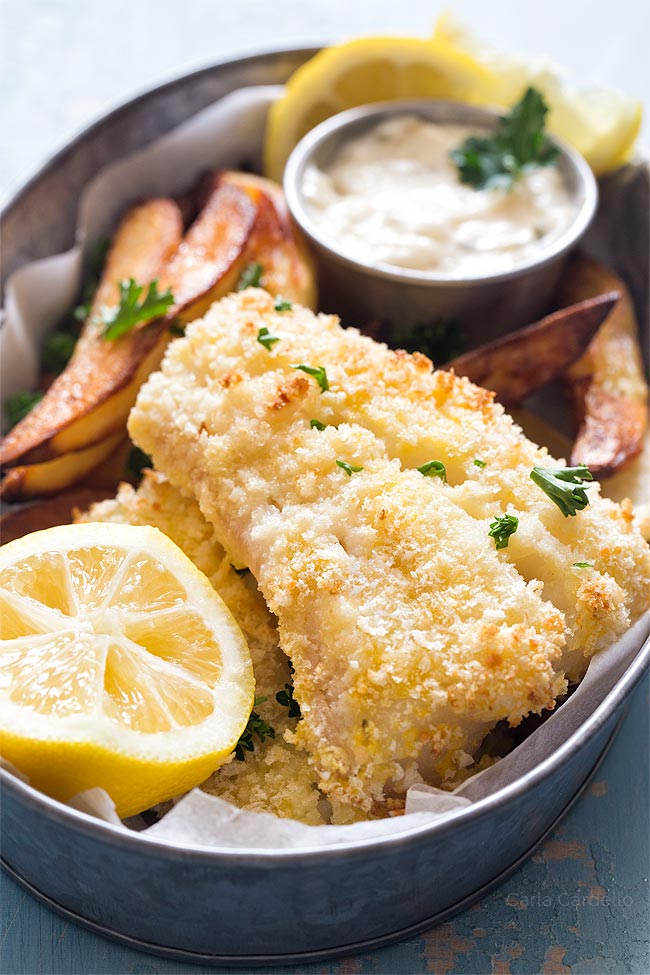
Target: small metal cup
(485, 305)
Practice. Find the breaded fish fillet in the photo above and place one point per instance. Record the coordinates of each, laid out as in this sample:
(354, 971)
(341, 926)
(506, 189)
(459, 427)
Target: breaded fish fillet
(276, 777)
(410, 634)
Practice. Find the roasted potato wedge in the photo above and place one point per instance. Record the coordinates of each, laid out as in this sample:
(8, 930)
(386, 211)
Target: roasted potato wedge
(524, 361)
(51, 476)
(98, 370)
(45, 514)
(213, 253)
(243, 219)
(276, 243)
(607, 386)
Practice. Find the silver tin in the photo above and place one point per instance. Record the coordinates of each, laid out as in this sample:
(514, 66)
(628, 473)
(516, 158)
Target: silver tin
(280, 906)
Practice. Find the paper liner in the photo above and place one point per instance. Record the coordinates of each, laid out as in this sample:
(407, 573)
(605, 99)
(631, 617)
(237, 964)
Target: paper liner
(229, 134)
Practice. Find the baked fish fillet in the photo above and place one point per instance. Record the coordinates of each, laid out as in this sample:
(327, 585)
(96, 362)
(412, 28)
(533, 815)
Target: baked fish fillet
(276, 776)
(410, 634)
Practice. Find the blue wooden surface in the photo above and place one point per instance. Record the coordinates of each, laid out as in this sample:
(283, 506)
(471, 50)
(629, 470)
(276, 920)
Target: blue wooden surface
(579, 906)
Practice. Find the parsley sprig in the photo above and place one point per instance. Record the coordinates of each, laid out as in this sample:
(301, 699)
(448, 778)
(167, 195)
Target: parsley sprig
(256, 726)
(130, 311)
(318, 372)
(502, 528)
(434, 468)
(519, 144)
(564, 486)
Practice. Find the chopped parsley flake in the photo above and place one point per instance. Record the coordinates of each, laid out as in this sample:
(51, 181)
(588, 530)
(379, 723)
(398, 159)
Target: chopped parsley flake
(265, 338)
(564, 486)
(256, 726)
(502, 528)
(251, 276)
(478, 463)
(19, 405)
(349, 469)
(136, 463)
(317, 425)
(318, 372)
(286, 699)
(281, 304)
(582, 565)
(434, 468)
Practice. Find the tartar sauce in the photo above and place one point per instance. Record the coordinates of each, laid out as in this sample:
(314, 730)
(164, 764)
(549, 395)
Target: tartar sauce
(393, 197)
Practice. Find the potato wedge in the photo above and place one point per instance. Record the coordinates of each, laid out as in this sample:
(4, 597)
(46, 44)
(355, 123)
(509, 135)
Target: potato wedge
(52, 476)
(144, 241)
(276, 243)
(243, 219)
(607, 386)
(213, 253)
(531, 357)
(46, 514)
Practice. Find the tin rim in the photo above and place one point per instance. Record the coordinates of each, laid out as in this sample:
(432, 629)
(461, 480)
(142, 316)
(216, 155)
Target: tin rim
(88, 824)
(326, 954)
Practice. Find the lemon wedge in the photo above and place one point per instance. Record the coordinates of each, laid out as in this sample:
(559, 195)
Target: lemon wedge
(120, 666)
(602, 125)
(371, 69)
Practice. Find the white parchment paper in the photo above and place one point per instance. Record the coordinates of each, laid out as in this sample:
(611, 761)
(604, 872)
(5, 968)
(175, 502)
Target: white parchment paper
(229, 134)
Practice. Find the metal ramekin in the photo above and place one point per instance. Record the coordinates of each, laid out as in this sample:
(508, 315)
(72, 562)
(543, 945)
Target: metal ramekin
(487, 304)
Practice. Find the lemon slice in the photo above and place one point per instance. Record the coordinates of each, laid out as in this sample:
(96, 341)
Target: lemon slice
(602, 125)
(120, 666)
(371, 69)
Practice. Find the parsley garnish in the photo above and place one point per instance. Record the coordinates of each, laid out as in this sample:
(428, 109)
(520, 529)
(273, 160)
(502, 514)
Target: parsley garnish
(286, 699)
(434, 468)
(130, 311)
(136, 463)
(441, 340)
(478, 463)
(564, 486)
(256, 726)
(582, 565)
(176, 328)
(96, 261)
(319, 374)
(19, 405)
(251, 276)
(317, 425)
(519, 143)
(281, 304)
(349, 469)
(265, 338)
(502, 528)
(57, 350)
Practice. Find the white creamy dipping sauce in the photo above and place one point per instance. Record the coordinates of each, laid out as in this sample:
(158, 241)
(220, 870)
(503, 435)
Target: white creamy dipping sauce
(392, 196)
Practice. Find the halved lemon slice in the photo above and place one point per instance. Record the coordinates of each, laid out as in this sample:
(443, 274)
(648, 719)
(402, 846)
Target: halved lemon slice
(371, 69)
(602, 125)
(120, 666)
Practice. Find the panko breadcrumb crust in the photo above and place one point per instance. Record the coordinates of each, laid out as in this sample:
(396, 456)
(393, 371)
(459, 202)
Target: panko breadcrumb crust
(410, 634)
(276, 777)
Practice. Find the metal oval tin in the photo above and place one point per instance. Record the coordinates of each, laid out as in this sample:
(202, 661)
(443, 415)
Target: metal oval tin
(240, 907)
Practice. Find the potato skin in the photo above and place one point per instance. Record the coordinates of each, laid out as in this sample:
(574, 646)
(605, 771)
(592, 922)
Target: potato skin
(607, 385)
